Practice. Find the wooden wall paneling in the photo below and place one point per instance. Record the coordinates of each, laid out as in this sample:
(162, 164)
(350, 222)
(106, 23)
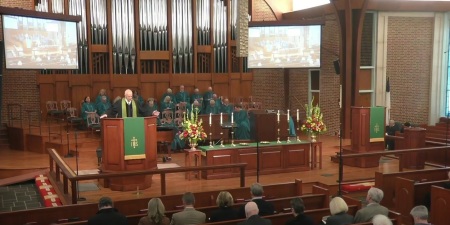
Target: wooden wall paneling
(46, 93)
(234, 89)
(62, 91)
(182, 79)
(148, 90)
(96, 86)
(79, 92)
(365, 76)
(365, 99)
(80, 79)
(125, 81)
(161, 88)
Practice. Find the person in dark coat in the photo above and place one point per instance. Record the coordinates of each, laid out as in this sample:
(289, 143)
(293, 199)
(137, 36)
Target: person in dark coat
(251, 213)
(107, 214)
(298, 207)
(126, 107)
(225, 211)
(339, 216)
(264, 207)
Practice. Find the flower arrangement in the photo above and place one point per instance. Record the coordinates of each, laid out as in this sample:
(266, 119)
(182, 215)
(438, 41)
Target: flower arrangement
(314, 123)
(192, 128)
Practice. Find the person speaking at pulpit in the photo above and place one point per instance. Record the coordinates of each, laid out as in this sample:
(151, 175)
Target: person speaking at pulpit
(126, 107)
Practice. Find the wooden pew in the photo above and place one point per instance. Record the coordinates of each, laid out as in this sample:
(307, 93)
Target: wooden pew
(131, 207)
(440, 204)
(386, 181)
(410, 193)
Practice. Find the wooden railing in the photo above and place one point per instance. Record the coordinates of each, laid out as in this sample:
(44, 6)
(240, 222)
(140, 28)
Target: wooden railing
(401, 153)
(60, 168)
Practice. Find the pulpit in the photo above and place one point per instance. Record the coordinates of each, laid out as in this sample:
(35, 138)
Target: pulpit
(414, 138)
(115, 158)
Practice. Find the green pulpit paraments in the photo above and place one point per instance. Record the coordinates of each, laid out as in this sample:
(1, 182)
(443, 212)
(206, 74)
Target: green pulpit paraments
(377, 124)
(134, 138)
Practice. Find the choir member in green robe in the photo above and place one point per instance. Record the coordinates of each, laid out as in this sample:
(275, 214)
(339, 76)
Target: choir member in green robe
(242, 131)
(87, 107)
(195, 106)
(207, 96)
(167, 103)
(226, 107)
(217, 100)
(212, 108)
(182, 96)
(196, 96)
(150, 106)
(103, 106)
(170, 94)
(137, 98)
(100, 95)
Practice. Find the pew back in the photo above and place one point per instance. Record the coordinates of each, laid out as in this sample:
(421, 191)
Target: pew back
(440, 204)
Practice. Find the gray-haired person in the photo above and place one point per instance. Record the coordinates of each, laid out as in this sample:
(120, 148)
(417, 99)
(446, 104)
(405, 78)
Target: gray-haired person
(373, 198)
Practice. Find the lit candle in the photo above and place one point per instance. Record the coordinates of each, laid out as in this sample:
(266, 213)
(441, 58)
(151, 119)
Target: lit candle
(210, 118)
(278, 116)
(221, 118)
(232, 118)
(288, 115)
(298, 116)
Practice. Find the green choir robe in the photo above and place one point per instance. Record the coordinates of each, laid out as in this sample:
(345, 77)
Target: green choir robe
(197, 97)
(182, 97)
(167, 105)
(172, 98)
(243, 129)
(102, 107)
(228, 109)
(98, 100)
(206, 97)
(212, 109)
(87, 107)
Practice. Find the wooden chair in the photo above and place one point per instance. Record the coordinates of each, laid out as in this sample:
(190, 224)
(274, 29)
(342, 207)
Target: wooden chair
(72, 117)
(64, 104)
(181, 106)
(93, 122)
(53, 111)
(167, 117)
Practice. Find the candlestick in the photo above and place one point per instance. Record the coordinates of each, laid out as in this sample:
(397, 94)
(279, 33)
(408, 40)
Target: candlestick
(298, 116)
(221, 139)
(288, 116)
(210, 137)
(232, 135)
(210, 119)
(278, 116)
(232, 119)
(298, 130)
(278, 132)
(221, 119)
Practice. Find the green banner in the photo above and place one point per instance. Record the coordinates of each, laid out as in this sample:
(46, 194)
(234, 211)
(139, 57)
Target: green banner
(134, 138)
(377, 124)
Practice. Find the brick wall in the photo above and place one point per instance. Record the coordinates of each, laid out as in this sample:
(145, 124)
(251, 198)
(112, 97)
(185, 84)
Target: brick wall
(19, 86)
(409, 57)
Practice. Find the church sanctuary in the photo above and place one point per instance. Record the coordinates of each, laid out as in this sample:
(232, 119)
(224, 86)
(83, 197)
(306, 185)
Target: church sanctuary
(322, 110)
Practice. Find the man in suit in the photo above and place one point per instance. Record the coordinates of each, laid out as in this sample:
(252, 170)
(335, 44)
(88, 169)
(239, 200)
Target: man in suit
(265, 208)
(420, 215)
(374, 197)
(189, 215)
(126, 107)
(251, 213)
(390, 130)
(107, 215)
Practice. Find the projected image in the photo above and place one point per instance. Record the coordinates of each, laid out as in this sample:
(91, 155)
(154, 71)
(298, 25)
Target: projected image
(284, 47)
(32, 43)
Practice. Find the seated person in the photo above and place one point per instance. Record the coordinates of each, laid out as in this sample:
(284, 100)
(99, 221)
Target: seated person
(107, 214)
(100, 95)
(373, 199)
(298, 207)
(155, 213)
(265, 208)
(196, 96)
(208, 95)
(339, 215)
(103, 106)
(182, 96)
(212, 108)
(217, 100)
(420, 215)
(87, 107)
(226, 107)
(381, 220)
(243, 124)
(170, 94)
(137, 98)
(196, 106)
(390, 130)
(253, 217)
(150, 106)
(225, 212)
(189, 215)
(167, 104)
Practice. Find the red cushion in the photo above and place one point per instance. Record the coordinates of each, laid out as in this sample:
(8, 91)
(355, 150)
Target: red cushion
(357, 187)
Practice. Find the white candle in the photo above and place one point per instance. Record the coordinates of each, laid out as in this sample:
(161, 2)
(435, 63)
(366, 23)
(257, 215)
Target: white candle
(221, 118)
(298, 116)
(278, 116)
(210, 118)
(232, 118)
(288, 115)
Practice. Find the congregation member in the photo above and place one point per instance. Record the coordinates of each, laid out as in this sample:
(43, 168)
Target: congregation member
(167, 103)
(264, 207)
(242, 122)
(420, 215)
(103, 106)
(107, 214)
(101, 94)
(298, 208)
(373, 199)
(226, 107)
(169, 93)
(182, 96)
(87, 107)
(381, 220)
(212, 108)
(208, 95)
(253, 217)
(126, 107)
(189, 216)
(155, 213)
(339, 215)
(225, 212)
(137, 98)
(196, 96)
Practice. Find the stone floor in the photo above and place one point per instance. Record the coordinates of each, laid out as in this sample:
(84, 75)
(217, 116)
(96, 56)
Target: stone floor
(21, 196)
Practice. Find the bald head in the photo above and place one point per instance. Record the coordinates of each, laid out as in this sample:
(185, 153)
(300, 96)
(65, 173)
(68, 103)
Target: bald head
(128, 95)
(251, 209)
